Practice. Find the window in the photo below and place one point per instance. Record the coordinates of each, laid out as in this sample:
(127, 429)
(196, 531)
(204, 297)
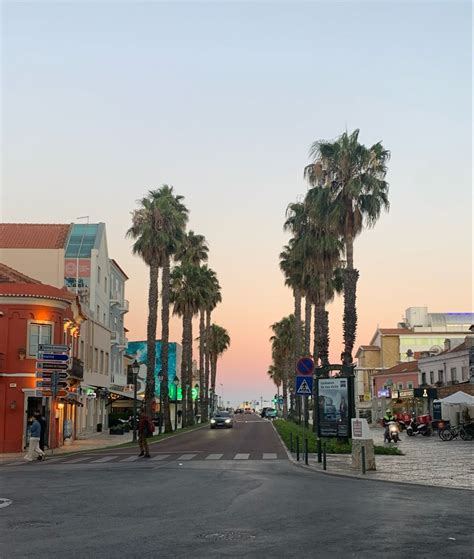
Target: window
(423, 378)
(96, 359)
(105, 284)
(107, 363)
(98, 275)
(81, 354)
(441, 375)
(432, 377)
(410, 385)
(98, 312)
(104, 319)
(453, 374)
(101, 370)
(39, 334)
(400, 386)
(465, 372)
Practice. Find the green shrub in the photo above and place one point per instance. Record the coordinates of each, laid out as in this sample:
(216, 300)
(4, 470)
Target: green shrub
(333, 446)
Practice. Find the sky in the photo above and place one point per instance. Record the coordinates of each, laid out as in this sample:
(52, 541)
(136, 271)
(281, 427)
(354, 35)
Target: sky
(102, 101)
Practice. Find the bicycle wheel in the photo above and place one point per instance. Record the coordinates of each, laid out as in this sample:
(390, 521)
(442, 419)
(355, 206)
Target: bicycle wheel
(465, 436)
(445, 435)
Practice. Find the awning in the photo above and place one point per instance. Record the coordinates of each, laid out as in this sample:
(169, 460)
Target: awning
(72, 399)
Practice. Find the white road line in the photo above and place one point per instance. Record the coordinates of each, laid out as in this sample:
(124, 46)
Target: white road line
(77, 460)
(269, 456)
(214, 456)
(160, 457)
(130, 459)
(104, 459)
(186, 456)
(241, 456)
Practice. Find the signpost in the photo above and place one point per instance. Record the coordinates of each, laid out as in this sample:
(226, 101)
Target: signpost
(304, 384)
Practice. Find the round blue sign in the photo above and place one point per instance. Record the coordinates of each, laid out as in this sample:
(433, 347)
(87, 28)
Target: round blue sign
(305, 366)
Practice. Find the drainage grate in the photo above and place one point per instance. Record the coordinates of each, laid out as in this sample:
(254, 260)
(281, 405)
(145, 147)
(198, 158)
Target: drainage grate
(227, 536)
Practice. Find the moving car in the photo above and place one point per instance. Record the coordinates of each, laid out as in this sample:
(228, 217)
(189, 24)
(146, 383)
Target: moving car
(247, 410)
(222, 419)
(239, 410)
(270, 413)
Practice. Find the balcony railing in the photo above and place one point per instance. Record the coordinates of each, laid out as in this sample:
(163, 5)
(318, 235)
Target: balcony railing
(77, 369)
(124, 307)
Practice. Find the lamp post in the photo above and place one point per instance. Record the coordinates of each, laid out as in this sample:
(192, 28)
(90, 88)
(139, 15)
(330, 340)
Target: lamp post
(176, 384)
(160, 416)
(222, 394)
(135, 371)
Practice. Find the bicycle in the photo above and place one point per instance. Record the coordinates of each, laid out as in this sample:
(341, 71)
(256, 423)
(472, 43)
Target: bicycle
(450, 433)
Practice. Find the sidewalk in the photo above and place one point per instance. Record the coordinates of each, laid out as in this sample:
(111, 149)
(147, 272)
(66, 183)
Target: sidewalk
(96, 441)
(426, 461)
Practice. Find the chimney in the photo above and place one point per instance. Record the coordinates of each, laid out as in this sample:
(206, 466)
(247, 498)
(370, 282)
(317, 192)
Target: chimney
(447, 345)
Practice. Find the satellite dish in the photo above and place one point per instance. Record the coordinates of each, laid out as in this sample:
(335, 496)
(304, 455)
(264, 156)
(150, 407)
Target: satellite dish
(435, 350)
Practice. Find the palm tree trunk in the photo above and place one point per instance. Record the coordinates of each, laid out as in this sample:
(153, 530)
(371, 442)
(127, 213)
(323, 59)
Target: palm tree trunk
(316, 335)
(324, 323)
(184, 377)
(213, 372)
(350, 278)
(189, 336)
(298, 341)
(284, 385)
(307, 325)
(202, 378)
(165, 333)
(207, 358)
(151, 339)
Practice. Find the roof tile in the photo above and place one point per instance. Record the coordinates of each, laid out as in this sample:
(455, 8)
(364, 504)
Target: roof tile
(34, 235)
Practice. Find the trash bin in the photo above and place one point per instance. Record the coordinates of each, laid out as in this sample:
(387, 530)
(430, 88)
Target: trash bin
(99, 427)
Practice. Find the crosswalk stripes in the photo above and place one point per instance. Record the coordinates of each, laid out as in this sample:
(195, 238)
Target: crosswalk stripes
(241, 456)
(77, 460)
(269, 456)
(160, 457)
(104, 459)
(214, 456)
(130, 459)
(187, 456)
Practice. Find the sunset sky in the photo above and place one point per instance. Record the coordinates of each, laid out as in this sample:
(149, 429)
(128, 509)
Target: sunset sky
(103, 101)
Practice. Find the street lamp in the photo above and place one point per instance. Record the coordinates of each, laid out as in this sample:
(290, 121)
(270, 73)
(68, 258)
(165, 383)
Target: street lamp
(222, 394)
(196, 388)
(176, 383)
(160, 416)
(135, 370)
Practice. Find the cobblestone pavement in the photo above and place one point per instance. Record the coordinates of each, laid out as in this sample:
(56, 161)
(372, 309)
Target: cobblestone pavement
(426, 461)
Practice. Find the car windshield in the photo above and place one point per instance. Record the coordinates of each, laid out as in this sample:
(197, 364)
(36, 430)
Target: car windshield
(222, 414)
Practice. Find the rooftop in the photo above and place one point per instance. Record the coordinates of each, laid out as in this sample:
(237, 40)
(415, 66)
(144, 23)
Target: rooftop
(33, 235)
(9, 275)
(405, 367)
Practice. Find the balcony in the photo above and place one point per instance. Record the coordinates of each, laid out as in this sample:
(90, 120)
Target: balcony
(124, 307)
(115, 298)
(77, 369)
(119, 340)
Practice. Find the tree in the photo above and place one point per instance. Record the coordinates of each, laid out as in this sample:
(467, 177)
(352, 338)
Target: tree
(213, 298)
(169, 236)
(147, 223)
(219, 342)
(187, 294)
(355, 177)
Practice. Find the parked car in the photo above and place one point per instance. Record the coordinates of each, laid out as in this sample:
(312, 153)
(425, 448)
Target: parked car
(222, 419)
(262, 412)
(239, 410)
(270, 413)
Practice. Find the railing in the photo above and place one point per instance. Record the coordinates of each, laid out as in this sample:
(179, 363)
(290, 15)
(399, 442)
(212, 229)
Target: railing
(124, 307)
(77, 369)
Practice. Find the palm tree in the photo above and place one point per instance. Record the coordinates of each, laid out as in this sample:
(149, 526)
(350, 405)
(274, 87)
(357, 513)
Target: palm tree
(193, 249)
(213, 298)
(169, 237)
(355, 176)
(187, 296)
(219, 341)
(275, 375)
(147, 222)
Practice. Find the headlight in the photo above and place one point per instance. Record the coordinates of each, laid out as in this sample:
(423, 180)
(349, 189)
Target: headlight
(227, 420)
(213, 420)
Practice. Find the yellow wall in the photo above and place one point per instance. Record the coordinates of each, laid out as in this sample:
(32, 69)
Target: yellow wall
(45, 265)
(390, 351)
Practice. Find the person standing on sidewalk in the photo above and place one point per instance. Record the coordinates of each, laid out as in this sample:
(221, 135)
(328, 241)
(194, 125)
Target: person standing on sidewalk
(34, 450)
(42, 422)
(145, 430)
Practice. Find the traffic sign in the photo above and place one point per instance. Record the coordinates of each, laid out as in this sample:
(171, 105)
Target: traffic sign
(304, 386)
(46, 383)
(48, 393)
(52, 366)
(48, 374)
(305, 366)
(49, 348)
(52, 356)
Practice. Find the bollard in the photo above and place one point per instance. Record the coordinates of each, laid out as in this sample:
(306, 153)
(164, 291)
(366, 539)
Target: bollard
(306, 451)
(324, 457)
(363, 459)
(320, 452)
(291, 442)
(297, 448)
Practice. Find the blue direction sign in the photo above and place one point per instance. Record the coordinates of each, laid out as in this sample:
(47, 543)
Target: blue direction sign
(50, 348)
(62, 375)
(305, 366)
(52, 356)
(52, 366)
(304, 386)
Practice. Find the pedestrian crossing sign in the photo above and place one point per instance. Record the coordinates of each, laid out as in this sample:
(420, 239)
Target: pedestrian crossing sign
(304, 386)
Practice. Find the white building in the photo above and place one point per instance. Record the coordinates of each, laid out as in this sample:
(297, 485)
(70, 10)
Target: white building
(451, 366)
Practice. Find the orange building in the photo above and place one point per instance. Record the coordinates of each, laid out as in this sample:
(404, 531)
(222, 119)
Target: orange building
(32, 313)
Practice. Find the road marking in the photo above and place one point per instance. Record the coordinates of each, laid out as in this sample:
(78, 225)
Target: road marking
(241, 456)
(214, 456)
(269, 456)
(104, 459)
(77, 460)
(130, 459)
(186, 457)
(5, 502)
(160, 457)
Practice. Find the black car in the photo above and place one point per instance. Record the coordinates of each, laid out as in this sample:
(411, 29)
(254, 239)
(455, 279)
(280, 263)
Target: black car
(262, 413)
(222, 419)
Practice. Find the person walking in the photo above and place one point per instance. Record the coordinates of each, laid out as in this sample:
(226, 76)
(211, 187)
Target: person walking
(42, 421)
(34, 450)
(145, 430)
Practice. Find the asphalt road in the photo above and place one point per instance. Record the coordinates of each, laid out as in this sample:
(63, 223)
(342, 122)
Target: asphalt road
(204, 507)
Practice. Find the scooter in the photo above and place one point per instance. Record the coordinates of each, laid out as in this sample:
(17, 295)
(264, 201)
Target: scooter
(392, 432)
(414, 428)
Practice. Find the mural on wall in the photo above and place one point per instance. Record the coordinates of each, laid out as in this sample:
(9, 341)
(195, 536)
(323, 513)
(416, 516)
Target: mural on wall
(71, 277)
(139, 349)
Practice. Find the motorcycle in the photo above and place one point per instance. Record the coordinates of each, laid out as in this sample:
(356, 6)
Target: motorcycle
(414, 428)
(392, 432)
